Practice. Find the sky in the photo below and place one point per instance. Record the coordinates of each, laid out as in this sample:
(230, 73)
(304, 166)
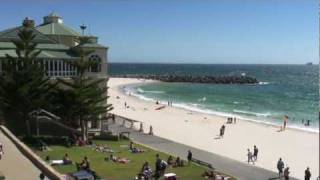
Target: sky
(187, 31)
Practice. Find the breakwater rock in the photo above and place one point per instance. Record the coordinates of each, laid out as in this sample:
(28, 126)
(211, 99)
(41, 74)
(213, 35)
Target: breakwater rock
(194, 79)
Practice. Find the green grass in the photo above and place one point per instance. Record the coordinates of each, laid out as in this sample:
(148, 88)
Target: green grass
(115, 171)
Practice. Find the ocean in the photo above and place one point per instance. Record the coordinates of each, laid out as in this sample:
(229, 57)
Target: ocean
(291, 90)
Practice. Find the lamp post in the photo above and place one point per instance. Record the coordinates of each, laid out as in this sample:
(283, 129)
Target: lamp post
(83, 27)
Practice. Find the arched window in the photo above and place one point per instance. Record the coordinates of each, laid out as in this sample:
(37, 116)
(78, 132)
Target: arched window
(95, 61)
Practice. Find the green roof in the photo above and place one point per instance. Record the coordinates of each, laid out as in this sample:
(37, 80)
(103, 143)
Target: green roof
(43, 54)
(92, 45)
(10, 45)
(11, 34)
(57, 29)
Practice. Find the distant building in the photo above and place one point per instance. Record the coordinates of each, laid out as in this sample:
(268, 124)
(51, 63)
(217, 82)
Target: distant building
(57, 43)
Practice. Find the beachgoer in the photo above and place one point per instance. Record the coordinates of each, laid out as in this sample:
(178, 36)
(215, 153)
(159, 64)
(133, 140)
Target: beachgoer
(307, 174)
(158, 167)
(141, 127)
(146, 171)
(150, 130)
(222, 130)
(255, 152)
(209, 175)
(42, 176)
(170, 161)
(85, 164)
(249, 154)
(1, 151)
(189, 156)
(113, 118)
(285, 121)
(164, 165)
(286, 173)
(131, 145)
(234, 120)
(131, 124)
(179, 162)
(308, 123)
(125, 104)
(280, 166)
(66, 159)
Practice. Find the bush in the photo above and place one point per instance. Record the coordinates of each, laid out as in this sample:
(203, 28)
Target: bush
(109, 136)
(37, 141)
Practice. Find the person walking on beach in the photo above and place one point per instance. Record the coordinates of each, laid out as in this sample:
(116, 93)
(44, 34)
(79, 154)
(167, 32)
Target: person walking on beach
(141, 127)
(286, 173)
(280, 166)
(285, 121)
(222, 129)
(249, 154)
(307, 174)
(125, 104)
(255, 153)
(189, 156)
(151, 131)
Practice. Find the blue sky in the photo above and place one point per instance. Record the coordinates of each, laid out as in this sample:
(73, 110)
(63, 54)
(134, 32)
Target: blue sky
(188, 31)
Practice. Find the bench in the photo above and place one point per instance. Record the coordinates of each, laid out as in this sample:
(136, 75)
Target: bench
(202, 163)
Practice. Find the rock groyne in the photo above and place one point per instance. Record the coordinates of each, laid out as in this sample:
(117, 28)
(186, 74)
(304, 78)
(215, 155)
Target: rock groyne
(194, 79)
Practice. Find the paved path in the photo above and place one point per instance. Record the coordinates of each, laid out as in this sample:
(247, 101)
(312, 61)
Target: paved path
(14, 165)
(240, 170)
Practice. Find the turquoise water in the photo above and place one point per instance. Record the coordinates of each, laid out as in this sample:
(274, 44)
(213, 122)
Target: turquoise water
(291, 90)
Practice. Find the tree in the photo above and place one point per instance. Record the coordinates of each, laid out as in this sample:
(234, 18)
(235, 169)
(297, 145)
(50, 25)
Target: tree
(23, 86)
(89, 97)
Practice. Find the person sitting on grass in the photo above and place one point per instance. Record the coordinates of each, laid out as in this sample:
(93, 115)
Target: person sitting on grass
(170, 161)
(84, 165)
(209, 175)
(81, 142)
(178, 163)
(66, 159)
(118, 159)
(135, 149)
(103, 148)
(146, 171)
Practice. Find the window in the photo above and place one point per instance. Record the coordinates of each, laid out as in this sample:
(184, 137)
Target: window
(95, 61)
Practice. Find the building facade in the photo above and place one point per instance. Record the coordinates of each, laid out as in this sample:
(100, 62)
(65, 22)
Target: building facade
(57, 43)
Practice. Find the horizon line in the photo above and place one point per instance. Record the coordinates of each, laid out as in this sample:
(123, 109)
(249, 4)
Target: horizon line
(208, 63)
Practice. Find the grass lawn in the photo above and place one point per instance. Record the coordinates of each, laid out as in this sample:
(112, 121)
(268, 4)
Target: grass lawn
(115, 171)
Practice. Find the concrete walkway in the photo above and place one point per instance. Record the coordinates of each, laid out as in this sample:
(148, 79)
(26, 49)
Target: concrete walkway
(15, 165)
(240, 170)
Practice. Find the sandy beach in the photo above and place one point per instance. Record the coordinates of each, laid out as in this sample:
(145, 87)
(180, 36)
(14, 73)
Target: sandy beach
(298, 149)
